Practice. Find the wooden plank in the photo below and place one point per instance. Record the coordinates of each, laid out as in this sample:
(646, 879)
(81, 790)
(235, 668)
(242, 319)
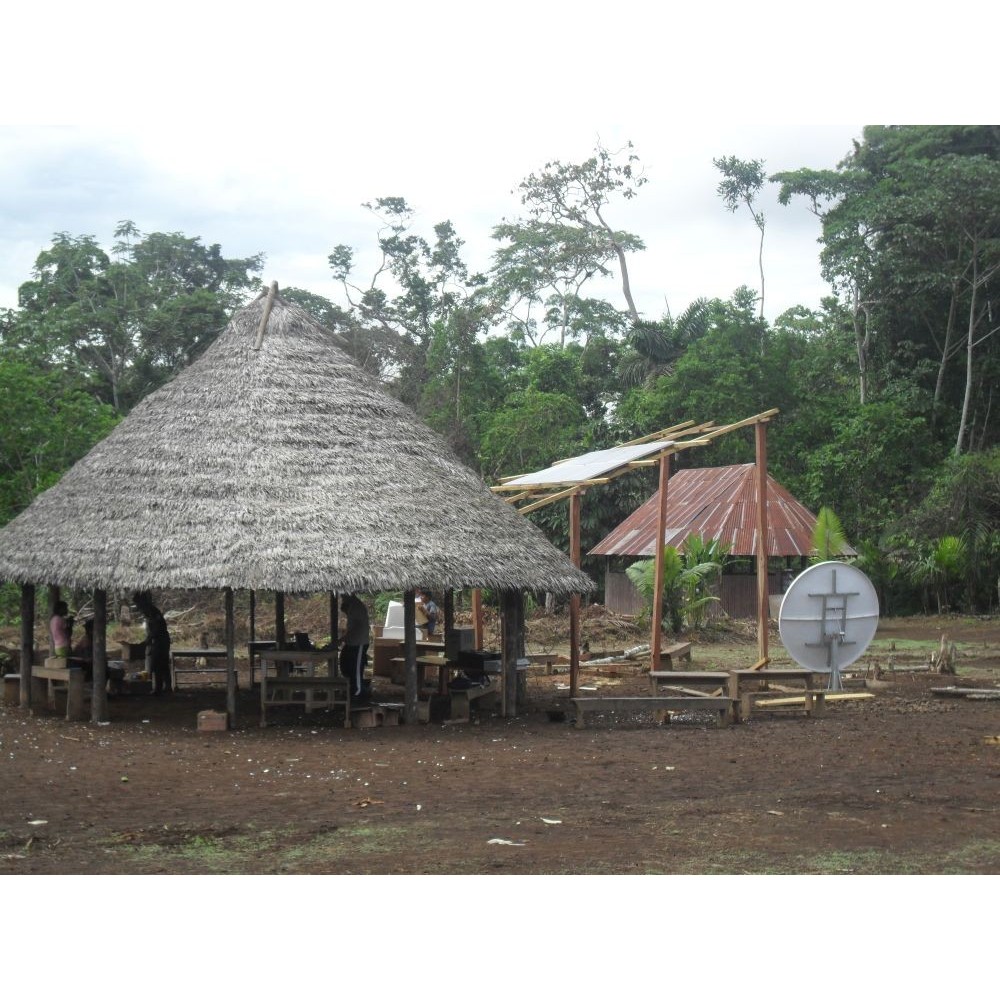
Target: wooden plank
(824, 695)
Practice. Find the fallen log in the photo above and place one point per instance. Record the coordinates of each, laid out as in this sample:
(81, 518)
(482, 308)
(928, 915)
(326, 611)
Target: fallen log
(978, 694)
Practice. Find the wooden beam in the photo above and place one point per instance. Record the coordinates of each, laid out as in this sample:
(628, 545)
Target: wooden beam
(516, 497)
(657, 435)
(550, 499)
(758, 418)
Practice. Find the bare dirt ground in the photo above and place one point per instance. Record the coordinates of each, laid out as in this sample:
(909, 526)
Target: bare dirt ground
(902, 782)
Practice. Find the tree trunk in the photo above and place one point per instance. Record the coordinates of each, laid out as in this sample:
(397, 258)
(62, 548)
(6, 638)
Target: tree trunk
(963, 423)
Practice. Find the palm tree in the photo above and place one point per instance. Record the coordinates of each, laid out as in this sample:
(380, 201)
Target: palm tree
(655, 347)
(684, 584)
(828, 538)
(942, 564)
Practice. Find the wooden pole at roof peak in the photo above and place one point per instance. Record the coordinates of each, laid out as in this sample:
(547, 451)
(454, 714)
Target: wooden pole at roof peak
(271, 293)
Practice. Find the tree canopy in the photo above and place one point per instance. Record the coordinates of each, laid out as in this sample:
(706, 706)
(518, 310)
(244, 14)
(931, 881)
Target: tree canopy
(887, 393)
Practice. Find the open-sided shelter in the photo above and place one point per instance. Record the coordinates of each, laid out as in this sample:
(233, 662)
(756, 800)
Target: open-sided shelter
(571, 478)
(274, 463)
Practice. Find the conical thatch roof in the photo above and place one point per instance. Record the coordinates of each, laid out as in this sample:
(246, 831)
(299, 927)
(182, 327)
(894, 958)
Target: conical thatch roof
(285, 468)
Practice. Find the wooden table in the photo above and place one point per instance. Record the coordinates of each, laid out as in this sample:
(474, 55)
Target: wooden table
(743, 692)
(196, 654)
(253, 650)
(282, 687)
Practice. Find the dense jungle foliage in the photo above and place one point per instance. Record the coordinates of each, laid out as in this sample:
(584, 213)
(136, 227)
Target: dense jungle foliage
(888, 392)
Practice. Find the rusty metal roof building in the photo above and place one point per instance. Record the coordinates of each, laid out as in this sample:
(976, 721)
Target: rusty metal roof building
(718, 503)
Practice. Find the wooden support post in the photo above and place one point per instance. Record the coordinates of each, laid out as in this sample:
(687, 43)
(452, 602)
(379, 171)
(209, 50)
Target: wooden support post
(410, 656)
(449, 614)
(54, 596)
(477, 618)
(763, 611)
(27, 641)
(661, 531)
(253, 616)
(99, 651)
(574, 600)
(230, 655)
(508, 614)
(279, 619)
(331, 667)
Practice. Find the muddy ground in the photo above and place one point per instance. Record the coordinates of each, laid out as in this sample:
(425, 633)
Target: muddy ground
(902, 781)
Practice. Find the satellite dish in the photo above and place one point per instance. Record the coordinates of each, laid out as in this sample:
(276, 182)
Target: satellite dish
(828, 617)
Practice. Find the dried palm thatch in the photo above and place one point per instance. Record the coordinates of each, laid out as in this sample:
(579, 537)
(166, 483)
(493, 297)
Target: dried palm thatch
(282, 468)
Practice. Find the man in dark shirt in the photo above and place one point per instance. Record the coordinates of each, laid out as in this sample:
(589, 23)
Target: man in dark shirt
(157, 640)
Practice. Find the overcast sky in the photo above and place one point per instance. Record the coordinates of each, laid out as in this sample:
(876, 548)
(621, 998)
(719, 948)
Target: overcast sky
(264, 129)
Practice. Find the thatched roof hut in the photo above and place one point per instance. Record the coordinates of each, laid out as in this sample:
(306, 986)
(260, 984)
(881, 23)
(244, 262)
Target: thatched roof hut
(282, 468)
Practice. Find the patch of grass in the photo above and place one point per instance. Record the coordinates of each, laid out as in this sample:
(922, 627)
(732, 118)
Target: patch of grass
(280, 850)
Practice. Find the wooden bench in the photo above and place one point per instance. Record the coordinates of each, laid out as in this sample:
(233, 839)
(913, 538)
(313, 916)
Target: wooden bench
(55, 676)
(744, 692)
(678, 651)
(322, 692)
(721, 707)
(461, 700)
(713, 679)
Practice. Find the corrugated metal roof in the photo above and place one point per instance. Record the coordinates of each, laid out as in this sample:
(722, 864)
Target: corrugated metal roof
(719, 503)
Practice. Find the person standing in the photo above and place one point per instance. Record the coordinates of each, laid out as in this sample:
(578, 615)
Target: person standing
(431, 610)
(157, 641)
(60, 629)
(354, 651)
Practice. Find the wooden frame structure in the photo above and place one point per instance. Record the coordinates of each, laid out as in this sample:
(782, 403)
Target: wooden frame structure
(571, 478)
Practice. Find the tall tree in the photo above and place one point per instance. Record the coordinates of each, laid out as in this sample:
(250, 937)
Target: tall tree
(416, 287)
(741, 182)
(910, 231)
(129, 320)
(564, 241)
